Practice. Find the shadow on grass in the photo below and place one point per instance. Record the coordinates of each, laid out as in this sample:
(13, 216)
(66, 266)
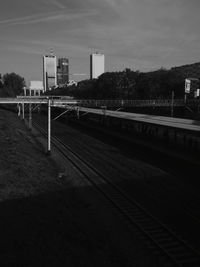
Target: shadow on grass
(41, 231)
(63, 228)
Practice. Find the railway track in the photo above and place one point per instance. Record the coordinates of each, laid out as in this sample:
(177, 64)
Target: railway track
(160, 238)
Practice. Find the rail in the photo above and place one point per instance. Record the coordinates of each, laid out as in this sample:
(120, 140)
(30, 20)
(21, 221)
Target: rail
(159, 236)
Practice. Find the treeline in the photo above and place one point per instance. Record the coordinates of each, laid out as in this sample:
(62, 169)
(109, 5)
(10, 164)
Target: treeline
(128, 84)
(11, 85)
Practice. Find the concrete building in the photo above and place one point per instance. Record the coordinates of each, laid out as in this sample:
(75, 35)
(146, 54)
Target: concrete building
(63, 71)
(49, 72)
(36, 88)
(97, 65)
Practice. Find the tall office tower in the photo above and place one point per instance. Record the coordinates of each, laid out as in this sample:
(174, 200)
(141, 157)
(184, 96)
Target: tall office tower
(49, 72)
(63, 71)
(96, 65)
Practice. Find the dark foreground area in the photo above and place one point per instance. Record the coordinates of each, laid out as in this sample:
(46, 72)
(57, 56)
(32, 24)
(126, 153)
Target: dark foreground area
(38, 226)
(50, 216)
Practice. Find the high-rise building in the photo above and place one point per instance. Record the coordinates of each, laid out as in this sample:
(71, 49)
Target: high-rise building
(62, 71)
(49, 72)
(96, 65)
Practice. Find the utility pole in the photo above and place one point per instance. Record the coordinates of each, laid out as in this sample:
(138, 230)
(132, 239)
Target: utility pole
(30, 113)
(19, 110)
(172, 104)
(49, 128)
(23, 111)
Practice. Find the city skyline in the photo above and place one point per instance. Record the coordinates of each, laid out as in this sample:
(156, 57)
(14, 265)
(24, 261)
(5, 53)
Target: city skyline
(142, 35)
(62, 71)
(97, 65)
(49, 72)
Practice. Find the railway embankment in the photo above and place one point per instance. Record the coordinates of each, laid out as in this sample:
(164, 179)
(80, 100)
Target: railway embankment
(119, 175)
(49, 215)
(41, 212)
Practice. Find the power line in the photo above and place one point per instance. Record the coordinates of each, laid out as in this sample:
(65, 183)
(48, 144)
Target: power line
(81, 74)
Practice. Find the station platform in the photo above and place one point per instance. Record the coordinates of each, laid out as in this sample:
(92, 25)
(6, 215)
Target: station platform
(179, 123)
(174, 132)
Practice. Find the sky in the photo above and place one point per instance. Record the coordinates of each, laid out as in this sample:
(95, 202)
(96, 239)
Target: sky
(141, 35)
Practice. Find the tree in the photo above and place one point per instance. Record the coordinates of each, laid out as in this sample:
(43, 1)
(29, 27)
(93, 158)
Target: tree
(129, 84)
(12, 85)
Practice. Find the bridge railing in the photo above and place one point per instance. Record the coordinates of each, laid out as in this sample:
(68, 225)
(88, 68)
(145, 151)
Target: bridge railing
(94, 103)
(136, 103)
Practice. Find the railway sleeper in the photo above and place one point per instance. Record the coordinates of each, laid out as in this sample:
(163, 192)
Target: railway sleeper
(152, 228)
(155, 231)
(130, 211)
(172, 245)
(167, 240)
(137, 212)
(135, 218)
(162, 239)
(143, 221)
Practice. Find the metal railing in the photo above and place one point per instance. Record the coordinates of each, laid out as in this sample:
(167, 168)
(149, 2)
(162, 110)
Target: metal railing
(137, 103)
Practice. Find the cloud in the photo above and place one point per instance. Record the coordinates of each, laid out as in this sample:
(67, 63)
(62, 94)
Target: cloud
(55, 3)
(103, 12)
(25, 49)
(111, 3)
(49, 17)
(138, 33)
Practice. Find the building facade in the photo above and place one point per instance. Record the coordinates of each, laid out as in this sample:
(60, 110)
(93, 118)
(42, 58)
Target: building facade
(97, 65)
(49, 72)
(36, 88)
(63, 71)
